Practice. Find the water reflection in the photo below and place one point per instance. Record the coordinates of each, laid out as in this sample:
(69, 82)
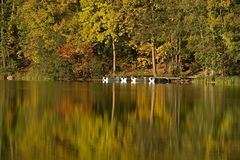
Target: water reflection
(56, 120)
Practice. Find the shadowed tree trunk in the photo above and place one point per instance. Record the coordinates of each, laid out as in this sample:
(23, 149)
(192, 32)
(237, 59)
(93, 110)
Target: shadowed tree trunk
(3, 47)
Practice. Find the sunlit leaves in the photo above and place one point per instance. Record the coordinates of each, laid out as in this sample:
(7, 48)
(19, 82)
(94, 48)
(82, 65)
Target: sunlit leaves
(206, 32)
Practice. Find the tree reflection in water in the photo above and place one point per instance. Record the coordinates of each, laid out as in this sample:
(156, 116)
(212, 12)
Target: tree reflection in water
(56, 120)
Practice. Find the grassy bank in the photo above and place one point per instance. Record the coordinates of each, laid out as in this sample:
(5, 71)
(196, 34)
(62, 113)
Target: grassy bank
(228, 80)
(36, 74)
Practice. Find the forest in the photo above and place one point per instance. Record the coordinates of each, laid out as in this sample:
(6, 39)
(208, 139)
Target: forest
(67, 40)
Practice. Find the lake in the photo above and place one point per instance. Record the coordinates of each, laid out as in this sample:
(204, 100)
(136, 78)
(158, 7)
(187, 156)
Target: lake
(73, 120)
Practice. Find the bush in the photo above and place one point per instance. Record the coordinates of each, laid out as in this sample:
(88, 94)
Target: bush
(49, 67)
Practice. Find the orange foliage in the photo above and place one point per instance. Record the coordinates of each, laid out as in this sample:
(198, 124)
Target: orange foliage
(66, 50)
(88, 51)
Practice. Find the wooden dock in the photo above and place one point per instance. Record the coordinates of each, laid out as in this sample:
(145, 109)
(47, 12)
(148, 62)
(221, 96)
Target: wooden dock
(149, 80)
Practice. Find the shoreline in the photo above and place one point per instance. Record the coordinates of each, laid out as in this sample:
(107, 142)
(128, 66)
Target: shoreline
(228, 80)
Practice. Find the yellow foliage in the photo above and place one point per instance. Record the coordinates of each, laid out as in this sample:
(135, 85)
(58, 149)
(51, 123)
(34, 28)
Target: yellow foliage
(144, 48)
(143, 61)
(162, 51)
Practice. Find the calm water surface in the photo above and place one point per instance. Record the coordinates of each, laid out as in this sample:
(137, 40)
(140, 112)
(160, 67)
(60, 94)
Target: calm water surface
(68, 121)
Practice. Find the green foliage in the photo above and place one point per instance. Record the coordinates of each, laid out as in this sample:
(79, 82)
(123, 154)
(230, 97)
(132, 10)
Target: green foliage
(56, 69)
(177, 32)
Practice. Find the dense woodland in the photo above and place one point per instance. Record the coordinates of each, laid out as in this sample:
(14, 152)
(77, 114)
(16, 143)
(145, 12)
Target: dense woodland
(59, 39)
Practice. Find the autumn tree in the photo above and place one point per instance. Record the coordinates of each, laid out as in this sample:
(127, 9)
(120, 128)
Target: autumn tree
(146, 22)
(10, 50)
(48, 26)
(102, 22)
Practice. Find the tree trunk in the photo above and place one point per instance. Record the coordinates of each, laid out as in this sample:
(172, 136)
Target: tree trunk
(179, 53)
(3, 49)
(166, 67)
(154, 71)
(201, 32)
(114, 56)
(13, 10)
